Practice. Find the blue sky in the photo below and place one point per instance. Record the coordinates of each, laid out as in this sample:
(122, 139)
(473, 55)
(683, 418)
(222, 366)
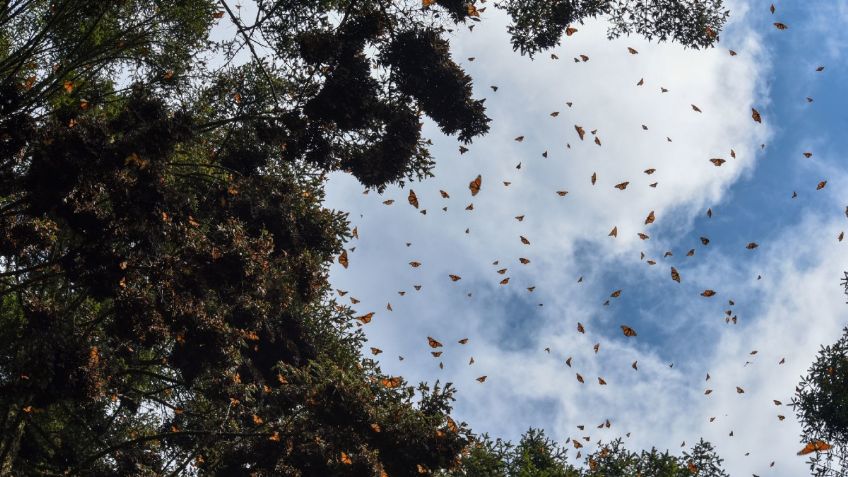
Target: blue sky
(796, 306)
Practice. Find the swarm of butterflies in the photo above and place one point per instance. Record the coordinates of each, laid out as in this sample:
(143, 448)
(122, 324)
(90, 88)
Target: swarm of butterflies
(476, 185)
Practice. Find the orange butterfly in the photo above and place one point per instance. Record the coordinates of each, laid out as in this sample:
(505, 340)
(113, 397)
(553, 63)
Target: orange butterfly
(756, 115)
(433, 343)
(622, 185)
(814, 446)
(708, 293)
(628, 331)
(580, 131)
(717, 162)
(366, 318)
(474, 185)
(481, 379)
(675, 275)
(455, 278)
(413, 199)
(343, 259)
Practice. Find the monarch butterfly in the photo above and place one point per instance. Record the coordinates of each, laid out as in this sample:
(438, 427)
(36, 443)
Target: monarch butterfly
(650, 218)
(343, 259)
(392, 382)
(613, 232)
(632, 51)
(675, 275)
(474, 185)
(580, 131)
(717, 162)
(413, 199)
(570, 31)
(628, 331)
(463, 341)
(366, 318)
(481, 379)
(708, 293)
(755, 115)
(433, 343)
(814, 446)
(455, 278)
(780, 26)
(622, 185)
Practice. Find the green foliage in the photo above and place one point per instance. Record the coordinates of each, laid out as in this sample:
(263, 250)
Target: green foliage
(540, 25)
(821, 405)
(164, 247)
(537, 456)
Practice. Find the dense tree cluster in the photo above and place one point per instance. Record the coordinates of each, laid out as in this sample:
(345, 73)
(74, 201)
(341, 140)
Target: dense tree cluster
(536, 455)
(163, 243)
(821, 405)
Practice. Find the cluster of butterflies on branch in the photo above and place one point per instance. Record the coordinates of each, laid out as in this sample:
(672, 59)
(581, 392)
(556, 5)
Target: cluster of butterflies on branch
(476, 185)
